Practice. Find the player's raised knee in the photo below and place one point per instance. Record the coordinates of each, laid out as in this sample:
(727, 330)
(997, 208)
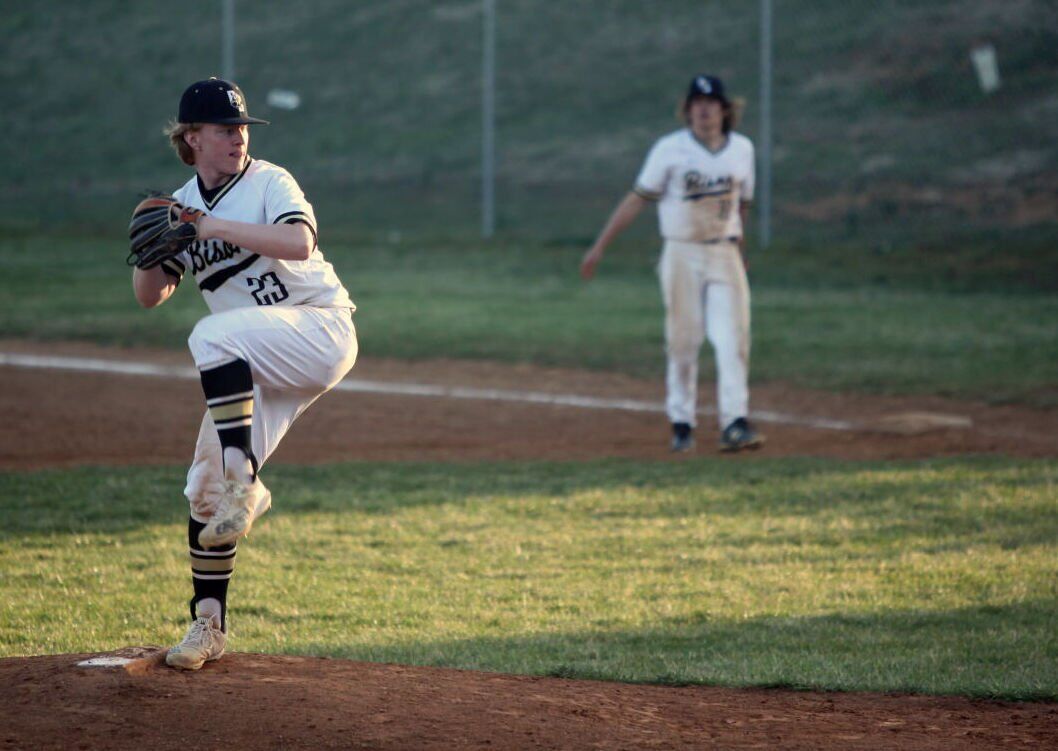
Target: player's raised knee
(210, 342)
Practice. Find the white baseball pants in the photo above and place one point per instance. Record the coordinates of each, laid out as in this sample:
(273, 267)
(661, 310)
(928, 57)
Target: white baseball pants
(295, 353)
(706, 294)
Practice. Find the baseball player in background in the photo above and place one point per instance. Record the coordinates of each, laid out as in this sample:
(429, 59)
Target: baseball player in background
(279, 334)
(702, 179)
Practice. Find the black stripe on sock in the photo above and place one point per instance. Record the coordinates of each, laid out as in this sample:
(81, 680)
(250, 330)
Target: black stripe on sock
(199, 553)
(206, 588)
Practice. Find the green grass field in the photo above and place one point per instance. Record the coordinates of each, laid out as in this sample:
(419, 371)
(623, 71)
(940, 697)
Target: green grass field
(936, 577)
(522, 301)
(927, 577)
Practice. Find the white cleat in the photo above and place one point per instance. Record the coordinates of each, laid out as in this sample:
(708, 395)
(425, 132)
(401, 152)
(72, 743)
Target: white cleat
(203, 642)
(238, 507)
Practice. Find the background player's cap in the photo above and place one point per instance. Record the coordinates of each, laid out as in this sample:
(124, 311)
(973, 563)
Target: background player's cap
(215, 101)
(710, 86)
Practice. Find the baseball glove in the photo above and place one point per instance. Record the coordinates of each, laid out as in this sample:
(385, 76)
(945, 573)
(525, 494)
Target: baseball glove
(160, 228)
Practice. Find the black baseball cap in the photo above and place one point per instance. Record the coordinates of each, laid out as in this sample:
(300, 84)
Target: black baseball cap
(709, 86)
(215, 101)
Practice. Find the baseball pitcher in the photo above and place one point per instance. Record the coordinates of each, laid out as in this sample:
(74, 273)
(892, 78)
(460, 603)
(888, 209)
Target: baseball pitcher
(279, 334)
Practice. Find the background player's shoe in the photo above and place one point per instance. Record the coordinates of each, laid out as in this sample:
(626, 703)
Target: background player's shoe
(740, 435)
(238, 507)
(202, 643)
(682, 436)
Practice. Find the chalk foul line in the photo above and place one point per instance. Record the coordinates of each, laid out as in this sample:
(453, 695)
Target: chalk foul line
(125, 367)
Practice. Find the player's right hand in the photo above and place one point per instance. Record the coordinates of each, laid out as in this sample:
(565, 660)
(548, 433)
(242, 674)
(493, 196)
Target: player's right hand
(589, 262)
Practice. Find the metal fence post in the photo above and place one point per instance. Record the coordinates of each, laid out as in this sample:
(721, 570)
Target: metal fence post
(227, 40)
(764, 147)
(488, 118)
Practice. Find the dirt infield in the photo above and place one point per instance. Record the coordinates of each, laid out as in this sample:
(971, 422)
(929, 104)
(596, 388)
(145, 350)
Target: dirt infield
(63, 417)
(66, 418)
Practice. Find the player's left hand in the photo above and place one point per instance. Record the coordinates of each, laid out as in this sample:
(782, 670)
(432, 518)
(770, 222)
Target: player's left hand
(161, 227)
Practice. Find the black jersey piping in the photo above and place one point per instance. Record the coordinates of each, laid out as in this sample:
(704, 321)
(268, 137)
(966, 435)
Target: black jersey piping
(223, 190)
(212, 282)
(296, 217)
(649, 195)
(171, 272)
(289, 214)
(727, 142)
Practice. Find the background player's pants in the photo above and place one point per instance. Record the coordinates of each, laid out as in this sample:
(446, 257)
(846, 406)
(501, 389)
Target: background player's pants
(706, 293)
(295, 354)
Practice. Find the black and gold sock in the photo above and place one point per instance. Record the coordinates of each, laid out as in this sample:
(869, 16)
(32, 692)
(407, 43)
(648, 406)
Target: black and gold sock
(210, 572)
(229, 397)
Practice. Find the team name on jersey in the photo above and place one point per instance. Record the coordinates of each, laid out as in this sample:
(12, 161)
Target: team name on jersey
(207, 253)
(696, 186)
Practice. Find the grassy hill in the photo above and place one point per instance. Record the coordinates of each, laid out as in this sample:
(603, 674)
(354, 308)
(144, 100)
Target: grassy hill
(883, 140)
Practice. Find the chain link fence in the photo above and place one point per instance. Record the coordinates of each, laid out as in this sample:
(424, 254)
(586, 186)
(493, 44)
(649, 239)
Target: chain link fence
(885, 132)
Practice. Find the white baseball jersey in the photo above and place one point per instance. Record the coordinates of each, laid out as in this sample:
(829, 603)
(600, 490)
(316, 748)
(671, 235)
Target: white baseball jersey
(698, 191)
(233, 277)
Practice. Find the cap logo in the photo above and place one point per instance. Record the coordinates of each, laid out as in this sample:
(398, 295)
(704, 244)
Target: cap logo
(704, 86)
(236, 100)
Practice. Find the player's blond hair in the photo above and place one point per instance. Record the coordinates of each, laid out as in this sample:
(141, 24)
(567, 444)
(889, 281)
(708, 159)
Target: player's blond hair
(176, 132)
(732, 112)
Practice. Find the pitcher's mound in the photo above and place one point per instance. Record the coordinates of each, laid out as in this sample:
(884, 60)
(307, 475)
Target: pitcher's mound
(266, 701)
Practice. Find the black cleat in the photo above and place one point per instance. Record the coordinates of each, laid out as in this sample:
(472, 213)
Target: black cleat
(682, 437)
(740, 435)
